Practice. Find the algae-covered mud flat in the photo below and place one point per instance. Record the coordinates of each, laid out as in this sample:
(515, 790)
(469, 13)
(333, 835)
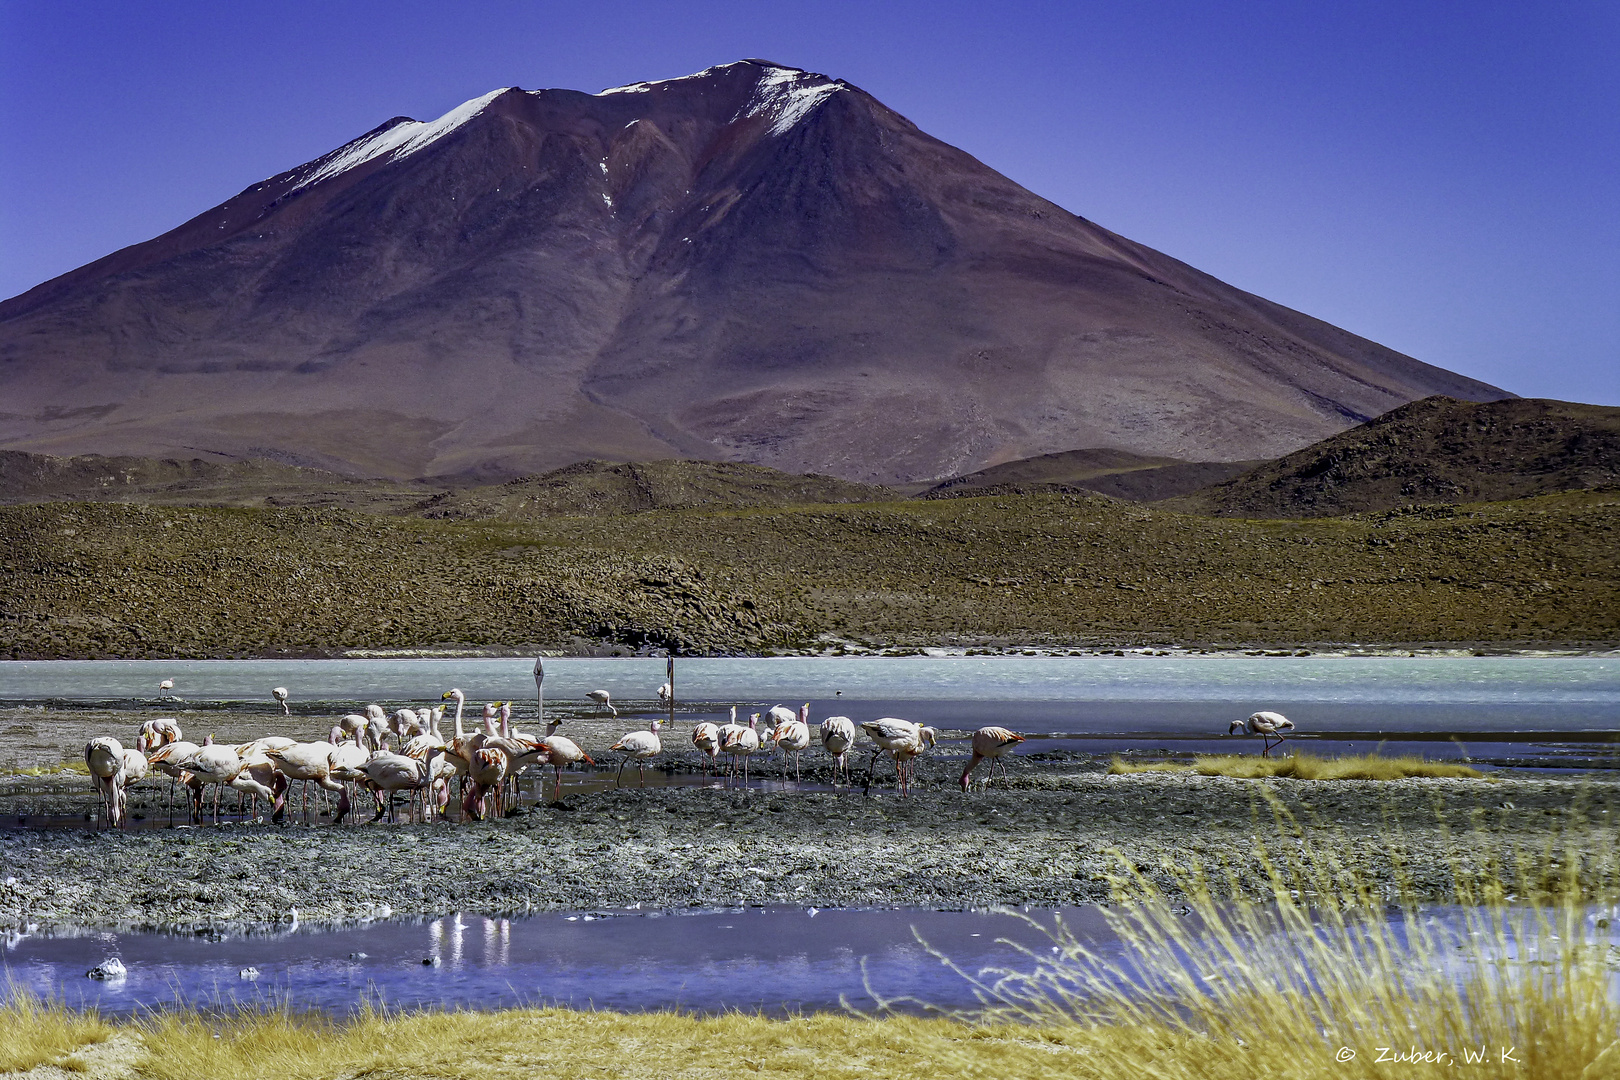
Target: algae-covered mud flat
(1047, 833)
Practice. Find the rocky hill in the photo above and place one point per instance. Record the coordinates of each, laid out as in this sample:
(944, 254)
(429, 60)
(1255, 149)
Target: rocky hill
(603, 487)
(1103, 471)
(1437, 450)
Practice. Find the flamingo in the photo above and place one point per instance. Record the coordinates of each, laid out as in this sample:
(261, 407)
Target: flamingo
(280, 694)
(347, 764)
(156, 733)
(520, 749)
(388, 772)
(486, 770)
(794, 735)
(217, 765)
(166, 689)
(665, 693)
(104, 757)
(903, 757)
(706, 737)
(838, 735)
(1268, 725)
(739, 741)
(990, 744)
(639, 745)
(561, 750)
(603, 698)
(134, 771)
(258, 776)
(167, 761)
(305, 762)
(902, 739)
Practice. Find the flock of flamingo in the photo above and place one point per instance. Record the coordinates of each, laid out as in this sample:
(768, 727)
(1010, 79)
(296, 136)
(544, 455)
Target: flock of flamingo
(483, 761)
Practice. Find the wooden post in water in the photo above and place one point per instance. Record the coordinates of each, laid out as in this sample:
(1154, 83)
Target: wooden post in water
(669, 677)
(539, 690)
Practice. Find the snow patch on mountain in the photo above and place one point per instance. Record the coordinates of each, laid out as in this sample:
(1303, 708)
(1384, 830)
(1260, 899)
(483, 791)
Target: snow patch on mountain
(786, 96)
(400, 140)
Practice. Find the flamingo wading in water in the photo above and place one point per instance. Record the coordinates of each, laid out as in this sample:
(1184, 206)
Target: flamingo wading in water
(639, 745)
(1268, 725)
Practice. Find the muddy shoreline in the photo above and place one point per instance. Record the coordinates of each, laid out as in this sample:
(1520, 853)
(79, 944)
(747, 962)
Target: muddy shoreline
(1057, 831)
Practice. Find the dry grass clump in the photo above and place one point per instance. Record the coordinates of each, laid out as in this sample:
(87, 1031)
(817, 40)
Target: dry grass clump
(1345, 986)
(524, 1043)
(39, 1032)
(1306, 767)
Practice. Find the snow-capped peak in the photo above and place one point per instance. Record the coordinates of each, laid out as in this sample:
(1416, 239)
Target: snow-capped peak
(785, 96)
(645, 87)
(396, 141)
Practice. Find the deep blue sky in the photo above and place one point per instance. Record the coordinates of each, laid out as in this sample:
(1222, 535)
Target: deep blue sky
(1440, 177)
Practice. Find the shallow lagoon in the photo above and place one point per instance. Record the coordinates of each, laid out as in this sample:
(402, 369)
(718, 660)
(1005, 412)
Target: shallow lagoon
(1527, 710)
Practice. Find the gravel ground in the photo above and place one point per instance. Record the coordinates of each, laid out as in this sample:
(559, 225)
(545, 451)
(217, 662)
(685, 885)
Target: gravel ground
(1054, 832)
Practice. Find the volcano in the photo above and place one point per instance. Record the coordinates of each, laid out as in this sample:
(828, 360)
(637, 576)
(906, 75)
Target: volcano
(754, 263)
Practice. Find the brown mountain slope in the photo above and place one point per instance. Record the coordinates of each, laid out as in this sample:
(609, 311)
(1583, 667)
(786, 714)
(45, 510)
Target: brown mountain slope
(754, 263)
(1432, 451)
(1108, 472)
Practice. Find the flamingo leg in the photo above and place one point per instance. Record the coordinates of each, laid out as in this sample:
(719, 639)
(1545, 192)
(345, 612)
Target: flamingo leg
(620, 774)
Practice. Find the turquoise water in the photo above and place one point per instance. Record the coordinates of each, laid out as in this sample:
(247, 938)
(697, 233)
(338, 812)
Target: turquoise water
(1515, 710)
(1593, 682)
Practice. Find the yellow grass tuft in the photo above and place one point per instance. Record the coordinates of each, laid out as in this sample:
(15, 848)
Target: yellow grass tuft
(38, 1032)
(524, 1043)
(1307, 767)
(1223, 988)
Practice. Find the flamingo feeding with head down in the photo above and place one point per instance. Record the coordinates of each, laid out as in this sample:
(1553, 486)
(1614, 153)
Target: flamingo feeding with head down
(639, 746)
(1268, 725)
(903, 740)
(990, 744)
(105, 758)
(280, 694)
(837, 736)
(706, 737)
(604, 699)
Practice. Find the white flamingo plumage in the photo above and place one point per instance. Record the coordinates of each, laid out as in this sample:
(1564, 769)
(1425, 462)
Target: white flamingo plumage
(561, 750)
(280, 694)
(837, 736)
(794, 735)
(1268, 725)
(485, 772)
(903, 740)
(741, 742)
(990, 744)
(605, 699)
(104, 757)
(167, 760)
(303, 762)
(156, 733)
(211, 764)
(706, 737)
(388, 773)
(639, 746)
